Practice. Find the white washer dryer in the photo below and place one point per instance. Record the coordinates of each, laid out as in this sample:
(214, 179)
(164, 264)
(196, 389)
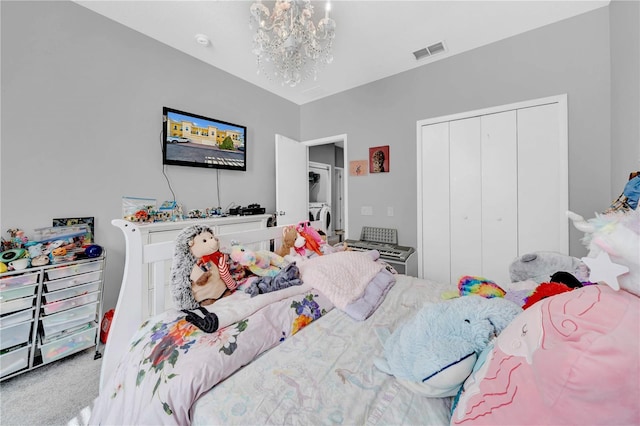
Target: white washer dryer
(321, 212)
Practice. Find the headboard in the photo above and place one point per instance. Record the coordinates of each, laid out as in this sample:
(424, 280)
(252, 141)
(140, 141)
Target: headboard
(139, 257)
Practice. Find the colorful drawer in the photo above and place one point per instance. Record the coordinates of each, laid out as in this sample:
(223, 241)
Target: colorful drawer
(18, 292)
(13, 361)
(61, 305)
(52, 324)
(68, 345)
(71, 281)
(16, 305)
(11, 282)
(14, 335)
(71, 292)
(16, 317)
(67, 271)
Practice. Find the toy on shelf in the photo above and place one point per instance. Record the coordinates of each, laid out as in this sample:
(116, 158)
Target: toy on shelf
(18, 238)
(144, 210)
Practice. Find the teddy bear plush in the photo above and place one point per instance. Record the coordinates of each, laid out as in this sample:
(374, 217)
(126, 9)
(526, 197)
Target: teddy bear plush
(290, 241)
(199, 272)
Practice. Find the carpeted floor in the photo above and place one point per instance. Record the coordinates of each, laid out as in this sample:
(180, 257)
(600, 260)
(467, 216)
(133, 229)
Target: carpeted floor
(60, 393)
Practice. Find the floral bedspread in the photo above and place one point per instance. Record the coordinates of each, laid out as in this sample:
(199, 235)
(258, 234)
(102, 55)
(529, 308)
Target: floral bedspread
(325, 375)
(157, 383)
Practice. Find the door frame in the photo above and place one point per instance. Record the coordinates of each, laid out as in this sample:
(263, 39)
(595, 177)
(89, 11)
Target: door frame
(563, 159)
(345, 190)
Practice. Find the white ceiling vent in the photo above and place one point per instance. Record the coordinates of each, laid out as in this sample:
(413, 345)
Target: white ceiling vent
(434, 49)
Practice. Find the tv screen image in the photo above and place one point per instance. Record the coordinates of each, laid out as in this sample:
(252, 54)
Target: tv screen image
(197, 141)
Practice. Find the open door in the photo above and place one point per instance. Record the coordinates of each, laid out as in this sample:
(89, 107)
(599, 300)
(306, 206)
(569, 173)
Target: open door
(292, 181)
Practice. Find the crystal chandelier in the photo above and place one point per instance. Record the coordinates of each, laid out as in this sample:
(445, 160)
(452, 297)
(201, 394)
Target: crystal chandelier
(288, 39)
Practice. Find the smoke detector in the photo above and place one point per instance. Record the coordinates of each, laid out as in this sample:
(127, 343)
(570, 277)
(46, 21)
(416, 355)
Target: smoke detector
(428, 51)
(203, 40)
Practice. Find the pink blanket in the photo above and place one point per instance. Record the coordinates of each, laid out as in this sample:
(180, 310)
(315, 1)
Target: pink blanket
(342, 277)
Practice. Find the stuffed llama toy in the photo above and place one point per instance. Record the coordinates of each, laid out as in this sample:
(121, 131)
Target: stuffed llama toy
(199, 272)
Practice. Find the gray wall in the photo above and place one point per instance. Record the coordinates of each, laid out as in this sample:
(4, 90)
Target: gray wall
(625, 92)
(327, 154)
(566, 57)
(82, 100)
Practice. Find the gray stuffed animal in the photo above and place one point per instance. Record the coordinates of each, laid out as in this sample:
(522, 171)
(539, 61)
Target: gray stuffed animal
(538, 266)
(287, 277)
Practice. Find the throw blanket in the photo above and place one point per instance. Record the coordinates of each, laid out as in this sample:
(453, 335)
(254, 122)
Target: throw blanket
(373, 296)
(342, 276)
(239, 305)
(170, 362)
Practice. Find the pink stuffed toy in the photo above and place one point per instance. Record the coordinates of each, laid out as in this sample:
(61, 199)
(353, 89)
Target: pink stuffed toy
(313, 239)
(562, 361)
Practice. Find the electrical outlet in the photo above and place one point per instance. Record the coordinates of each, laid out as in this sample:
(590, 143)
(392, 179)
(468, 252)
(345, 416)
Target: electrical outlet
(366, 211)
(389, 211)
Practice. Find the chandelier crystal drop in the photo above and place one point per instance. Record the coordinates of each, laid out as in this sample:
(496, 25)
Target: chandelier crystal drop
(288, 43)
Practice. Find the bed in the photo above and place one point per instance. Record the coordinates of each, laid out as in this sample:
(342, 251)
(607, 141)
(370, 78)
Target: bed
(299, 356)
(292, 358)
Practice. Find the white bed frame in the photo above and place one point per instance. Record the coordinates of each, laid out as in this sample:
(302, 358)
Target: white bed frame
(138, 258)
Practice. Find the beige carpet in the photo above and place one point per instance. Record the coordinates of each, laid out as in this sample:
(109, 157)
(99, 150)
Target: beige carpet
(60, 393)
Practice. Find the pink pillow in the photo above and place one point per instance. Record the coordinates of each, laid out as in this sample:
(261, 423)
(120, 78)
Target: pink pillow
(573, 358)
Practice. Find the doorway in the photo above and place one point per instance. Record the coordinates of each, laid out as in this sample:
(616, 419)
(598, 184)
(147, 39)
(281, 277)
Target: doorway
(292, 177)
(329, 153)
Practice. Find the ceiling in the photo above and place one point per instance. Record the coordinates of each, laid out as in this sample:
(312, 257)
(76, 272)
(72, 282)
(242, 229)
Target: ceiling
(374, 39)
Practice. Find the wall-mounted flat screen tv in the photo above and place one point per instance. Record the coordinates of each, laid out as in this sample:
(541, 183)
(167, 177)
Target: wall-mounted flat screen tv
(198, 141)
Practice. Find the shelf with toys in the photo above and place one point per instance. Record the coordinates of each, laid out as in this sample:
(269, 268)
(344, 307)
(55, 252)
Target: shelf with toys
(50, 297)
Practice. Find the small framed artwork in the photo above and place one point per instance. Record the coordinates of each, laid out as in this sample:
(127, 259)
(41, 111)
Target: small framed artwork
(379, 159)
(358, 168)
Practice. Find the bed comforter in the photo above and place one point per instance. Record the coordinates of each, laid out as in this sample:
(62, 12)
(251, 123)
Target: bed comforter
(325, 374)
(171, 362)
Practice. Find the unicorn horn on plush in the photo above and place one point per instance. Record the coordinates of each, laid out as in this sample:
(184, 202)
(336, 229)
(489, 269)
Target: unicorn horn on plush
(613, 240)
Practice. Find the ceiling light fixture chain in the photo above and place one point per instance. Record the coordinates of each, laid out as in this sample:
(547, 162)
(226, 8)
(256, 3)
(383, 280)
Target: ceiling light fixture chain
(288, 39)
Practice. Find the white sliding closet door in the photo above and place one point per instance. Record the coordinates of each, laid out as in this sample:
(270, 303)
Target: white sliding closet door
(492, 185)
(434, 159)
(539, 154)
(465, 195)
(499, 194)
